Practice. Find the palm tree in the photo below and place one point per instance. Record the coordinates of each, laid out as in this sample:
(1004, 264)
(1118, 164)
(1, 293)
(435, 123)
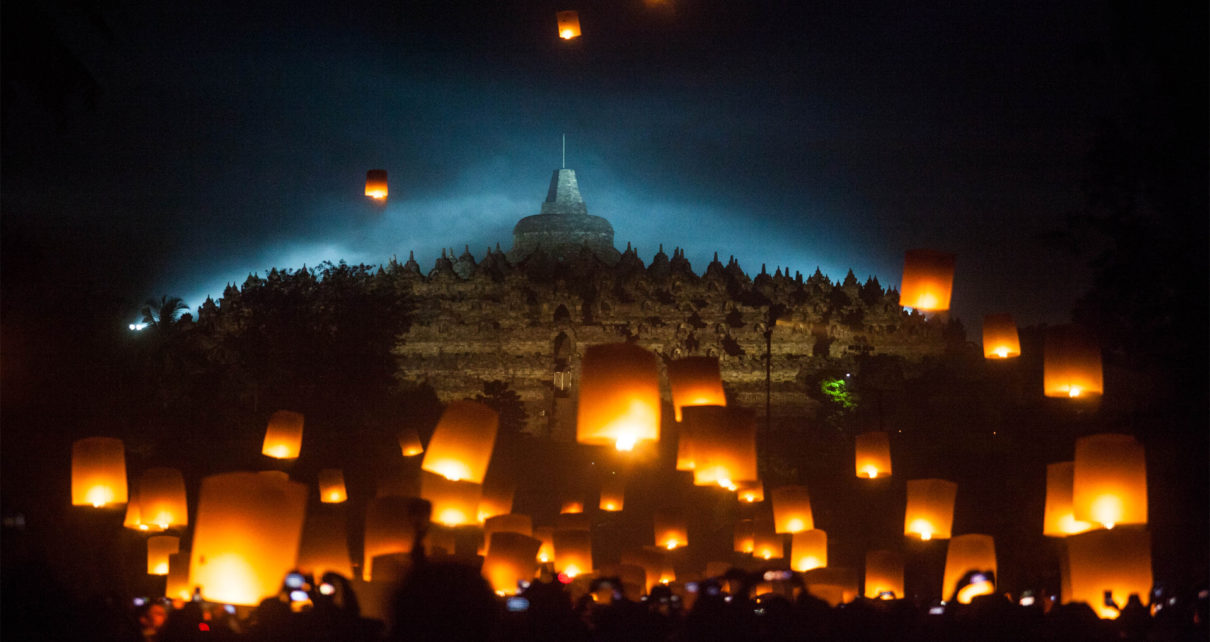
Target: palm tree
(163, 314)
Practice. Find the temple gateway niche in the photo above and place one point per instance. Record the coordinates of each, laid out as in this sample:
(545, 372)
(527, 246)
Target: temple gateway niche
(524, 318)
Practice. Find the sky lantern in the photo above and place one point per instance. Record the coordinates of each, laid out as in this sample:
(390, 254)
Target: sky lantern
(409, 443)
(967, 553)
(750, 492)
(511, 558)
(376, 184)
(792, 509)
(569, 24)
(98, 472)
(571, 507)
(1000, 340)
(930, 508)
(619, 402)
(573, 552)
(1117, 561)
(724, 446)
(159, 547)
(834, 585)
(671, 531)
(546, 552)
(1109, 483)
(325, 544)
(652, 561)
(463, 441)
(246, 537)
(1071, 364)
(455, 503)
(332, 486)
(883, 574)
(1060, 519)
(392, 526)
(873, 458)
(497, 498)
(745, 536)
(767, 543)
(177, 586)
(283, 436)
(161, 499)
(928, 280)
(511, 523)
(134, 517)
(684, 446)
(695, 381)
(808, 550)
(613, 494)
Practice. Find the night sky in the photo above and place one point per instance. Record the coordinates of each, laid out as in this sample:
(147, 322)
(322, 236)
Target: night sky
(170, 148)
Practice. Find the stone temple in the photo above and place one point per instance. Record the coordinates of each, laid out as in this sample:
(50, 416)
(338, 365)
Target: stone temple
(524, 317)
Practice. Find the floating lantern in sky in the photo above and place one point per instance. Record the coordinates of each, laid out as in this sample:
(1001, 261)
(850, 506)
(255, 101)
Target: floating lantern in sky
(98, 472)
(930, 508)
(455, 503)
(1000, 340)
(159, 547)
(177, 584)
(1071, 364)
(1116, 562)
(511, 558)
(463, 441)
(511, 523)
(573, 552)
(792, 509)
(283, 435)
(724, 446)
(247, 536)
(571, 507)
(134, 517)
(409, 443)
(392, 525)
(671, 532)
(968, 553)
(332, 486)
(619, 402)
(695, 381)
(1059, 520)
(325, 543)
(613, 494)
(546, 553)
(569, 24)
(873, 455)
(653, 562)
(376, 184)
(808, 550)
(928, 280)
(745, 536)
(883, 574)
(684, 446)
(750, 492)
(1109, 483)
(767, 543)
(497, 498)
(834, 585)
(161, 499)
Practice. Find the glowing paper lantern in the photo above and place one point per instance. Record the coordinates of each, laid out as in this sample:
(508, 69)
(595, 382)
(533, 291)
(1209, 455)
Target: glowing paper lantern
(161, 499)
(98, 472)
(695, 381)
(619, 402)
(376, 184)
(573, 552)
(545, 534)
(792, 509)
(928, 280)
(283, 436)
(569, 24)
(671, 532)
(1117, 561)
(1060, 519)
(571, 507)
(930, 508)
(745, 536)
(177, 586)
(651, 561)
(511, 558)
(750, 492)
(247, 536)
(455, 503)
(968, 553)
(1000, 340)
(883, 574)
(767, 543)
(392, 526)
(808, 550)
(833, 585)
(873, 455)
(724, 446)
(1109, 485)
(463, 441)
(497, 498)
(511, 523)
(684, 447)
(409, 443)
(1071, 364)
(332, 486)
(325, 544)
(613, 494)
(134, 516)
(159, 547)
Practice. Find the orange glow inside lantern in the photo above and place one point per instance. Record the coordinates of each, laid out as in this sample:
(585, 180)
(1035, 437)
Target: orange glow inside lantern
(883, 574)
(391, 527)
(376, 184)
(511, 523)
(463, 441)
(808, 550)
(571, 507)
(176, 586)
(873, 458)
(497, 498)
(1060, 519)
(671, 532)
(409, 443)
(247, 536)
(332, 486)
(1000, 339)
(745, 536)
(161, 499)
(834, 585)
(928, 280)
(684, 447)
(792, 509)
(967, 553)
(455, 503)
(613, 494)
(159, 547)
(569, 24)
(573, 552)
(1071, 364)
(751, 492)
(1116, 561)
(283, 435)
(325, 543)
(133, 518)
(619, 403)
(695, 381)
(1109, 481)
(98, 472)
(767, 543)
(651, 561)
(930, 508)
(511, 558)
(546, 552)
(724, 450)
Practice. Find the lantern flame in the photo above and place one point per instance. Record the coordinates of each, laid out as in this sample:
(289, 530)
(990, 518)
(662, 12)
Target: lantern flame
(452, 517)
(1107, 509)
(796, 525)
(871, 472)
(728, 484)
(279, 452)
(1074, 391)
(543, 557)
(671, 545)
(567, 34)
(99, 496)
(1002, 352)
(625, 442)
(923, 528)
(808, 563)
(571, 571)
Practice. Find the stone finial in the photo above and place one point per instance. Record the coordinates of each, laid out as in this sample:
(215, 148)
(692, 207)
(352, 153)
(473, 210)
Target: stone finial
(563, 197)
